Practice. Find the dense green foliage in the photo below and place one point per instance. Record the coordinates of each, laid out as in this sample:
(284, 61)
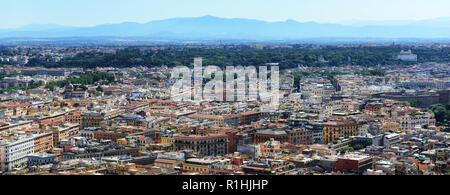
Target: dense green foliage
(299, 75)
(140, 76)
(372, 73)
(99, 88)
(8, 75)
(245, 55)
(441, 112)
(361, 145)
(32, 86)
(85, 79)
(415, 103)
(331, 75)
(347, 148)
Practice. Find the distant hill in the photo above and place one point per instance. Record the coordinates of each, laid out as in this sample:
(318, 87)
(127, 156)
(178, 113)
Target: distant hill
(43, 27)
(215, 28)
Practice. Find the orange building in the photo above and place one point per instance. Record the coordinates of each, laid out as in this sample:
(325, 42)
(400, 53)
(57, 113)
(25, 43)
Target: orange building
(53, 118)
(262, 136)
(73, 118)
(43, 142)
(374, 107)
(336, 129)
(270, 147)
(391, 126)
(109, 135)
(250, 116)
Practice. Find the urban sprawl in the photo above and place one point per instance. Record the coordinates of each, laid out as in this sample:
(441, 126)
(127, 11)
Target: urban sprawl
(60, 119)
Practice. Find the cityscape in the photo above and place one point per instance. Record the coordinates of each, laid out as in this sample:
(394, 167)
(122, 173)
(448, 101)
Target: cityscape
(105, 104)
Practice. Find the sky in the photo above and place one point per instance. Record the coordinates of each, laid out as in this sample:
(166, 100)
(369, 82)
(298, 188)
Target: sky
(18, 13)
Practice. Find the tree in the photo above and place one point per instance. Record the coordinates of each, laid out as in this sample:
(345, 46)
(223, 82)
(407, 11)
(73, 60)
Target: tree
(245, 56)
(142, 113)
(83, 87)
(441, 112)
(377, 72)
(415, 103)
(358, 147)
(347, 148)
(99, 88)
(85, 79)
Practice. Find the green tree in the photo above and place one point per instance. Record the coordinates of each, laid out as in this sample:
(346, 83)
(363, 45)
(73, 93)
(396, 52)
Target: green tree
(99, 88)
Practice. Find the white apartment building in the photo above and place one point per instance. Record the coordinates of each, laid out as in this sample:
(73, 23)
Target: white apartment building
(409, 122)
(13, 153)
(407, 56)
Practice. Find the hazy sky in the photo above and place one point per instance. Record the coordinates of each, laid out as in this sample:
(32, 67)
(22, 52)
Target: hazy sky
(17, 13)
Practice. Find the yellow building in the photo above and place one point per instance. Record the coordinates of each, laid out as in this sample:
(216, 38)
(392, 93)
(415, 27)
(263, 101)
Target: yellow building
(122, 142)
(167, 140)
(336, 129)
(391, 126)
(65, 133)
(270, 147)
(196, 165)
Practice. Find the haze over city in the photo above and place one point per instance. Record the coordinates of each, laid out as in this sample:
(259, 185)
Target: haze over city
(83, 13)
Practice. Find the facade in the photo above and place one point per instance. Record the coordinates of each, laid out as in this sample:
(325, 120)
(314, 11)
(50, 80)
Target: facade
(91, 120)
(71, 92)
(41, 159)
(196, 165)
(318, 137)
(13, 154)
(391, 126)
(409, 122)
(87, 133)
(8, 82)
(270, 147)
(73, 118)
(210, 145)
(134, 152)
(165, 163)
(96, 119)
(65, 133)
(43, 142)
(386, 140)
(374, 107)
(231, 120)
(353, 163)
(407, 56)
(301, 137)
(108, 135)
(169, 140)
(336, 129)
(248, 117)
(262, 136)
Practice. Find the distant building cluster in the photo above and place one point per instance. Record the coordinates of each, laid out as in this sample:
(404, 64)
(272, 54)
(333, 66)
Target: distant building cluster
(346, 124)
(407, 56)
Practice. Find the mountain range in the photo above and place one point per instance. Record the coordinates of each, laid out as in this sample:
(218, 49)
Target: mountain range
(216, 28)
